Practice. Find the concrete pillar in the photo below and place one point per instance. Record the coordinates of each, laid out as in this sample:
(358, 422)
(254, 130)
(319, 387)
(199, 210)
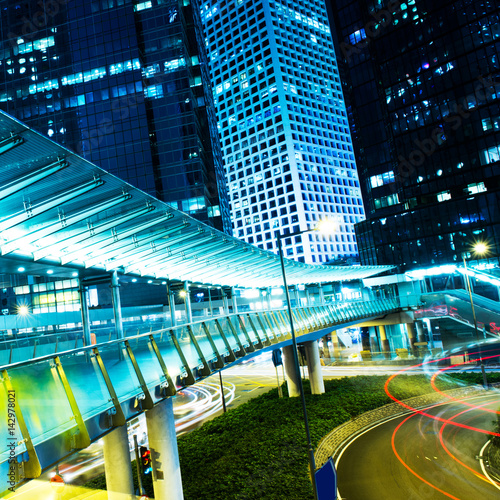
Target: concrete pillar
(210, 308)
(386, 349)
(84, 310)
(225, 302)
(297, 296)
(420, 331)
(167, 482)
(321, 295)
(117, 465)
(291, 372)
(171, 305)
(308, 298)
(187, 303)
(314, 367)
(233, 299)
(410, 330)
(117, 308)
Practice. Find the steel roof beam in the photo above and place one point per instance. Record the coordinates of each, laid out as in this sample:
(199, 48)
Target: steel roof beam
(31, 211)
(10, 142)
(149, 252)
(30, 178)
(91, 231)
(118, 242)
(62, 223)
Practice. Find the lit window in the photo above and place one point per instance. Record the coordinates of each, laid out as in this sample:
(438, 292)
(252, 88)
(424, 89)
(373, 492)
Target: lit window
(443, 196)
(476, 188)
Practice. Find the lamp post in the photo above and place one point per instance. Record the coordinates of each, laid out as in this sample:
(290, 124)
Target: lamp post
(479, 249)
(310, 451)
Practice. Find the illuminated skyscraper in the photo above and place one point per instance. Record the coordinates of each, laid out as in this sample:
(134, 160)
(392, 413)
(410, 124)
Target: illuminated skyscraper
(125, 84)
(425, 94)
(283, 125)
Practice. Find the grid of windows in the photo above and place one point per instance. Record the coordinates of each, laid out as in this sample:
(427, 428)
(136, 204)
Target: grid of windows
(126, 85)
(423, 85)
(283, 125)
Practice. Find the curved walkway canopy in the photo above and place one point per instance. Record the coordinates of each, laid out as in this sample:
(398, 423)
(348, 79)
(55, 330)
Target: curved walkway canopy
(63, 213)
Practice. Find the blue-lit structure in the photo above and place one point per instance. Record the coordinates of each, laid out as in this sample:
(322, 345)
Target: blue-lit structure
(422, 81)
(123, 84)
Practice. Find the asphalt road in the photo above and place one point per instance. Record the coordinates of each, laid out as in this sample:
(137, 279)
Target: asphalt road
(419, 457)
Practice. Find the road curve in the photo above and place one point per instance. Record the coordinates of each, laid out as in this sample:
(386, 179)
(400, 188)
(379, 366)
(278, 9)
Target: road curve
(420, 457)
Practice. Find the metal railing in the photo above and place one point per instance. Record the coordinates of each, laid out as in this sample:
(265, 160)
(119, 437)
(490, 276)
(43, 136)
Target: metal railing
(66, 400)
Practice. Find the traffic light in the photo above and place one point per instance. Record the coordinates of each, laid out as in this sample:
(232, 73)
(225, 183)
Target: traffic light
(145, 460)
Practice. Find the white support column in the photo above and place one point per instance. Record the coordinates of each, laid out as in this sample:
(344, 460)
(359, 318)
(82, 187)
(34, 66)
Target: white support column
(171, 305)
(314, 367)
(117, 307)
(269, 298)
(234, 301)
(297, 296)
(117, 465)
(84, 309)
(187, 302)
(321, 295)
(291, 372)
(167, 482)
(225, 301)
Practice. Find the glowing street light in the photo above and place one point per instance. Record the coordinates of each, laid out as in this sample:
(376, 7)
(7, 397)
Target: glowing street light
(479, 248)
(324, 226)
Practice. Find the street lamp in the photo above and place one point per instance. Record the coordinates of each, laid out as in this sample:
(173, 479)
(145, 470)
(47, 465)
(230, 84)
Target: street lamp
(323, 226)
(479, 248)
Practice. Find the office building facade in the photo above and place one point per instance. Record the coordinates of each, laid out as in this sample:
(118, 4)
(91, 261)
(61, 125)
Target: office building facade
(424, 90)
(125, 84)
(283, 126)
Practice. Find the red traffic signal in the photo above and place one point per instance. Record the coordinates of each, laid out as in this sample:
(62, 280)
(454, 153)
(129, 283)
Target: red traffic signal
(145, 459)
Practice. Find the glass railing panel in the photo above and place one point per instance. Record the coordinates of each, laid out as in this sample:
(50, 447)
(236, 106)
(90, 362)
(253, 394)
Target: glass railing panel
(217, 338)
(187, 346)
(270, 322)
(203, 342)
(87, 382)
(147, 360)
(241, 335)
(248, 327)
(282, 321)
(41, 397)
(120, 370)
(169, 353)
(226, 325)
(263, 335)
(10, 433)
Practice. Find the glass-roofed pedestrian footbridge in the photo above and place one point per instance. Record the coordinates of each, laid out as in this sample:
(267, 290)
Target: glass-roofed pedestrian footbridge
(112, 300)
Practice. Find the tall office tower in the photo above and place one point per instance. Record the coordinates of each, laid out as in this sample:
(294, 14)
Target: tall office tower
(125, 84)
(425, 95)
(283, 126)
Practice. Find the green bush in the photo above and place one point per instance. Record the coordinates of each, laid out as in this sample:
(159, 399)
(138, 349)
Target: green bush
(258, 450)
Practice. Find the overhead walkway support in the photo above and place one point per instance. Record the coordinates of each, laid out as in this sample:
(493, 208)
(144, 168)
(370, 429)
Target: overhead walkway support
(63, 397)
